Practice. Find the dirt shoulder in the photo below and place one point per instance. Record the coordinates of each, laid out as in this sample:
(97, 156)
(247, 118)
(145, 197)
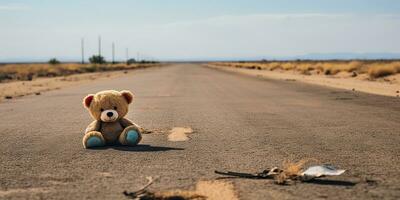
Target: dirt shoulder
(387, 86)
(15, 89)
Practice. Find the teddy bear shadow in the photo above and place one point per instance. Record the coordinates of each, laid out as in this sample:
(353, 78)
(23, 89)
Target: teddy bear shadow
(138, 148)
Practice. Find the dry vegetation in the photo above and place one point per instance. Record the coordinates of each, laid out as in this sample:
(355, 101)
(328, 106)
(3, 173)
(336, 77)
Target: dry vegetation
(374, 69)
(291, 170)
(27, 72)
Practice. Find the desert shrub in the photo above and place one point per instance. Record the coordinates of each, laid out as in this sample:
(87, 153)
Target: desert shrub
(353, 66)
(4, 76)
(327, 72)
(90, 69)
(376, 71)
(288, 66)
(97, 59)
(274, 66)
(374, 68)
(130, 61)
(148, 62)
(54, 61)
(331, 68)
(26, 72)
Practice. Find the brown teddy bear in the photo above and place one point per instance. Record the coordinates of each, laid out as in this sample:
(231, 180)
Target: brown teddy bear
(108, 109)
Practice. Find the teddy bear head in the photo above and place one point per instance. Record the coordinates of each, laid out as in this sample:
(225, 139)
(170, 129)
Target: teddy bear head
(109, 105)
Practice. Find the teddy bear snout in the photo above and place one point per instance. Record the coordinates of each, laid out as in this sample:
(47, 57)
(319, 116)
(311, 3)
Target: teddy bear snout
(109, 116)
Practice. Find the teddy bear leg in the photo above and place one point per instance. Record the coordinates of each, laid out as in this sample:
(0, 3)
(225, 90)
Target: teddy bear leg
(131, 136)
(93, 139)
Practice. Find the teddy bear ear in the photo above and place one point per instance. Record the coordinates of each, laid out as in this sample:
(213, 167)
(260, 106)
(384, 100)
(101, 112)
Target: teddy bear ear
(127, 95)
(88, 100)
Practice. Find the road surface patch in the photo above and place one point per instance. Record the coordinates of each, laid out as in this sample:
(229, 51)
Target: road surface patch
(179, 134)
(5, 193)
(210, 190)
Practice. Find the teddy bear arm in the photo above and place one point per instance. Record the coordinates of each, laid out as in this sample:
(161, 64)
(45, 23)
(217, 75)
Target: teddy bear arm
(126, 122)
(94, 126)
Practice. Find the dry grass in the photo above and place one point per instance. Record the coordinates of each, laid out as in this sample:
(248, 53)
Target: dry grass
(384, 70)
(374, 68)
(210, 190)
(292, 170)
(10, 72)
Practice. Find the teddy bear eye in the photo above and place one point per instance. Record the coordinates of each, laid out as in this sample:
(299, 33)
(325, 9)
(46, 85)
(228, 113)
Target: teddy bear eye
(102, 110)
(115, 107)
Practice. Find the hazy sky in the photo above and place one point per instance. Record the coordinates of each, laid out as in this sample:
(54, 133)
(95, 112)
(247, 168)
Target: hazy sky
(192, 29)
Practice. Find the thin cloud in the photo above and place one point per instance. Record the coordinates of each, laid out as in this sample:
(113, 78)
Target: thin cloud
(237, 19)
(14, 7)
(226, 18)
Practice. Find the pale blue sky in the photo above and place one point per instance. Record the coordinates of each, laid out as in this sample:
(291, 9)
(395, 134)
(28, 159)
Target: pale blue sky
(184, 29)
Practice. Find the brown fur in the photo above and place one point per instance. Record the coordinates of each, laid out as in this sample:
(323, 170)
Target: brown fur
(109, 132)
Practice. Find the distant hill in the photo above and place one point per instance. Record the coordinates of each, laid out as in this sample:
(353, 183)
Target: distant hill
(325, 56)
(312, 56)
(347, 56)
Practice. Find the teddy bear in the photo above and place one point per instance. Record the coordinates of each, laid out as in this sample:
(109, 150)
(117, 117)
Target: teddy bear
(108, 109)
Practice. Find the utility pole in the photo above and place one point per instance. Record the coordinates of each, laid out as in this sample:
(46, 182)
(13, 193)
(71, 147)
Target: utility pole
(127, 55)
(99, 45)
(83, 50)
(137, 58)
(113, 53)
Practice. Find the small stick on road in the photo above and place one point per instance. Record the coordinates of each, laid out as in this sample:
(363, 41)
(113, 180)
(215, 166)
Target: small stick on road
(141, 191)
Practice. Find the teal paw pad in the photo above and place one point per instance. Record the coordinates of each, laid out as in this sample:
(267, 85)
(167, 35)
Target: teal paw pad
(132, 137)
(94, 142)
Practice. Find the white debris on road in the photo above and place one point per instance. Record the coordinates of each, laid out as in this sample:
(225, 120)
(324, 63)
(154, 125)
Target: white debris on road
(322, 170)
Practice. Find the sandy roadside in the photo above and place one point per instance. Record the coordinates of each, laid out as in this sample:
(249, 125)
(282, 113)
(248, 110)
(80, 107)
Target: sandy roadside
(389, 86)
(17, 89)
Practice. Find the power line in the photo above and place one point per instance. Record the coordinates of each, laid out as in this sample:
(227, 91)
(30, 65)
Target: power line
(99, 45)
(113, 53)
(127, 55)
(83, 50)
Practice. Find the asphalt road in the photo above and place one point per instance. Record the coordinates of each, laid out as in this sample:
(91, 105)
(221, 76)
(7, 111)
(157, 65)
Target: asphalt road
(241, 123)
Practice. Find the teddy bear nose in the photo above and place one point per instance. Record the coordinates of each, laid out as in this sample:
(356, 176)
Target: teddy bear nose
(110, 114)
